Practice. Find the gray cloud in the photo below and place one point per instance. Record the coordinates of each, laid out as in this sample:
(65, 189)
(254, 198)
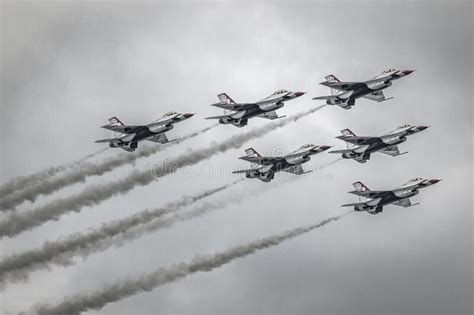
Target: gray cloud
(68, 65)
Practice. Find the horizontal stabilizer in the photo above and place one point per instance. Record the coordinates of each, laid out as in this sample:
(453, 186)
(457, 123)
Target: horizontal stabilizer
(243, 171)
(217, 117)
(386, 99)
(340, 151)
(107, 140)
(328, 97)
(352, 204)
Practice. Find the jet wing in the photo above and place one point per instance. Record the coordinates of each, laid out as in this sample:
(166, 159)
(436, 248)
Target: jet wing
(392, 150)
(261, 169)
(122, 128)
(234, 106)
(377, 96)
(297, 169)
(234, 115)
(370, 193)
(262, 160)
(341, 86)
(161, 138)
(405, 203)
(359, 140)
(270, 115)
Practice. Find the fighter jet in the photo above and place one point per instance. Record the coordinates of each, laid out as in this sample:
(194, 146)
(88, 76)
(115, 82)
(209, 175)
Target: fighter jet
(264, 168)
(127, 137)
(360, 148)
(373, 201)
(344, 94)
(238, 114)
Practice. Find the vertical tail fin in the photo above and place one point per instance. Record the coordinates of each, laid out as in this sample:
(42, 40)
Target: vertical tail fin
(332, 78)
(251, 152)
(359, 186)
(225, 99)
(348, 133)
(114, 121)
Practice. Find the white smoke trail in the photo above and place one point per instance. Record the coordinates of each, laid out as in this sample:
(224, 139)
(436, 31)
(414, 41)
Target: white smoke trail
(16, 268)
(16, 223)
(23, 182)
(112, 234)
(48, 185)
(126, 288)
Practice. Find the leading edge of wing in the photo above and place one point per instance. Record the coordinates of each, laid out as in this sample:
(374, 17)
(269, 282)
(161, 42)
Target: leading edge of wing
(369, 193)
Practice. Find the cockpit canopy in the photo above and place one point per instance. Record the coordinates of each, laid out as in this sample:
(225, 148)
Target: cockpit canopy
(416, 179)
(166, 116)
(280, 92)
(403, 126)
(306, 146)
(170, 114)
(389, 70)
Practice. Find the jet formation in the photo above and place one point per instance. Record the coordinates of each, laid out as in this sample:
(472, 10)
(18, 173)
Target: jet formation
(358, 148)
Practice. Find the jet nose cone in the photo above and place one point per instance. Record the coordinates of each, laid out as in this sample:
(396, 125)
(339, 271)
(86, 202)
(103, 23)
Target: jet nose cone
(298, 94)
(422, 127)
(407, 72)
(434, 181)
(188, 115)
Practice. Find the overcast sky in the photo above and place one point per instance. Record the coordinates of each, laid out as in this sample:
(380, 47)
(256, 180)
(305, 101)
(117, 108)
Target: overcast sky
(68, 66)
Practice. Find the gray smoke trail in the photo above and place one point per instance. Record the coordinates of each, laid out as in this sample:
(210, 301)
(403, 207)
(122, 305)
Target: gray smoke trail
(126, 288)
(49, 185)
(15, 268)
(22, 182)
(113, 234)
(17, 223)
